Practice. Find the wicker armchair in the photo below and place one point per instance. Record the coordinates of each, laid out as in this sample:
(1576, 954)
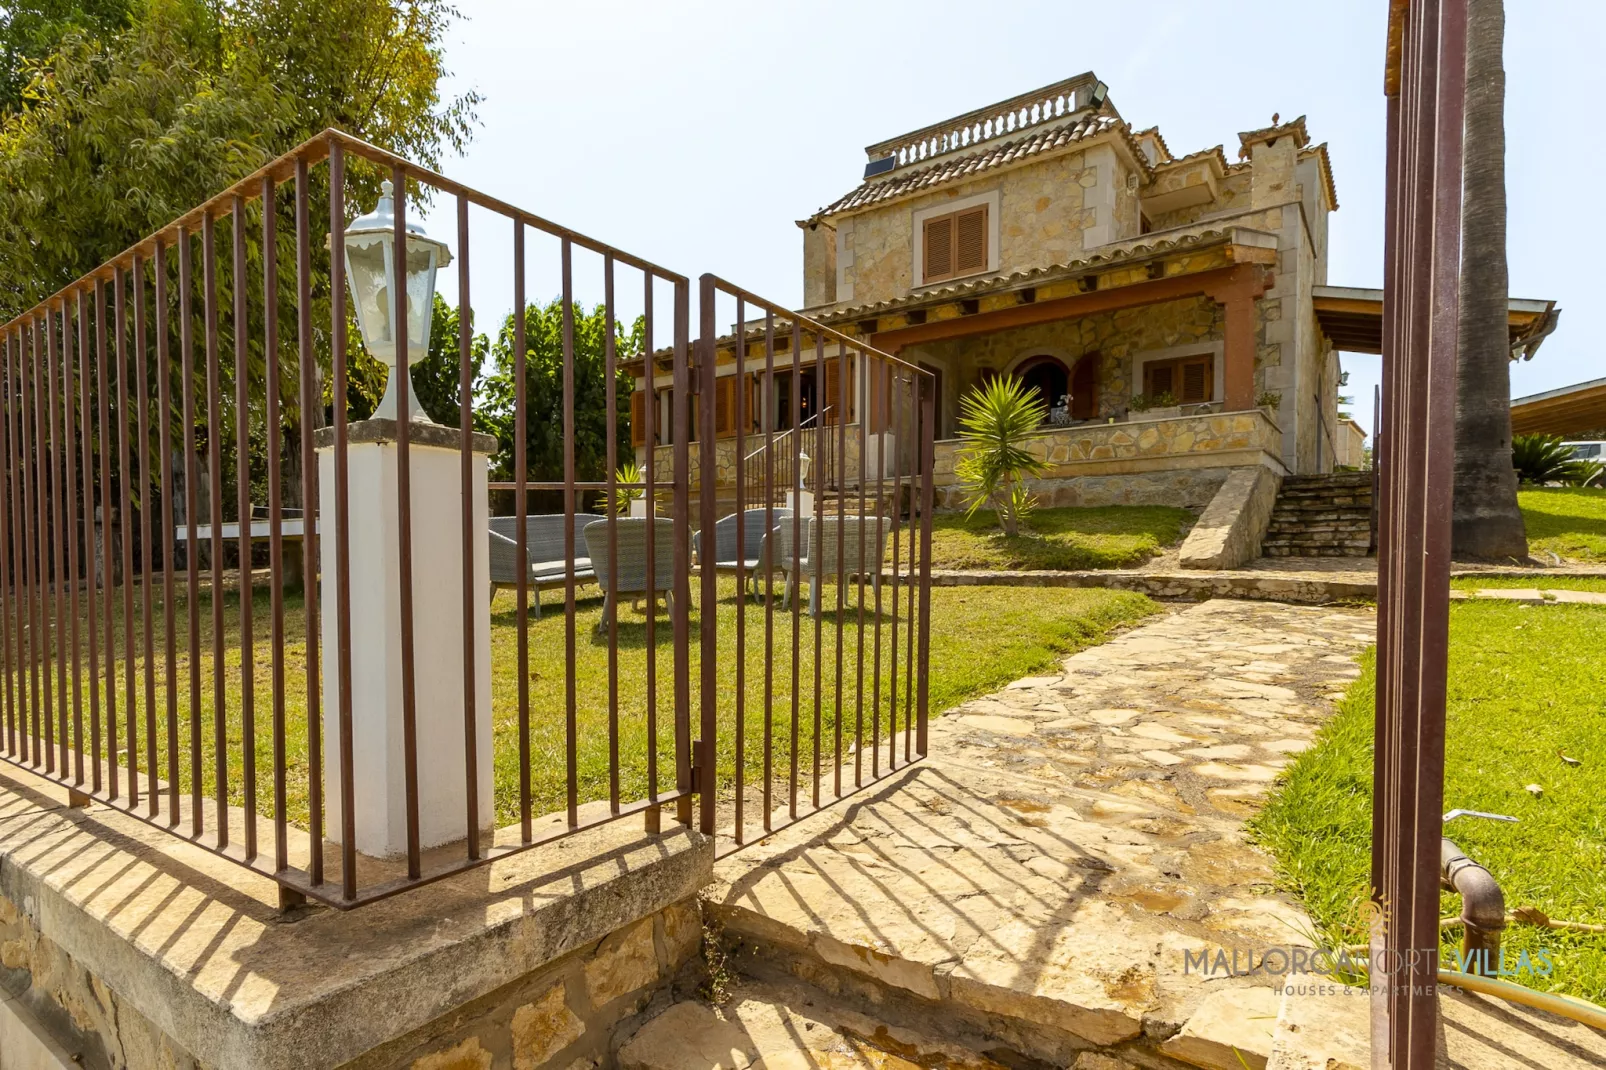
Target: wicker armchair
(725, 556)
(631, 551)
(820, 563)
(544, 550)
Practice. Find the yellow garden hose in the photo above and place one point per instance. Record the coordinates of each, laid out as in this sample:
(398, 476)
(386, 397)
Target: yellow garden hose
(1566, 1006)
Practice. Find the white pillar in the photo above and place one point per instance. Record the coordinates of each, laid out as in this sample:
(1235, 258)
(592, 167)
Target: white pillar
(379, 770)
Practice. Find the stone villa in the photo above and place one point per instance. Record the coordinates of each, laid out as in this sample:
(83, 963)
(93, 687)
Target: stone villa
(1173, 310)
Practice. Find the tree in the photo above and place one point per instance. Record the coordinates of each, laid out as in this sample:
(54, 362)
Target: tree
(1486, 522)
(31, 32)
(543, 393)
(993, 462)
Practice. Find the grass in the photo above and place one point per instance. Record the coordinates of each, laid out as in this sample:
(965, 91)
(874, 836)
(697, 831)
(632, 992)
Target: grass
(1113, 536)
(1524, 691)
(981, 639)
(1569, 522)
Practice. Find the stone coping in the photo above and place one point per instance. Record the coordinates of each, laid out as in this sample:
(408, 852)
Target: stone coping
(435, 436)
(198, 946)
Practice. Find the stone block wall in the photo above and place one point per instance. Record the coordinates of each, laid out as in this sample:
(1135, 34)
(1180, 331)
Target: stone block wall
(561, 1015)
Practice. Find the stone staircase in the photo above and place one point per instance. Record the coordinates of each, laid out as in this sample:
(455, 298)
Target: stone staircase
(1321, 516)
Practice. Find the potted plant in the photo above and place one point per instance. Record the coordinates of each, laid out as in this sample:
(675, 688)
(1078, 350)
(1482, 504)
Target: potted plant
(1160, 406)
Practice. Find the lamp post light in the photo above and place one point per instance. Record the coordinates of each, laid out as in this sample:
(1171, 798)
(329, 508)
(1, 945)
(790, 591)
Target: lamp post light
(371, 272)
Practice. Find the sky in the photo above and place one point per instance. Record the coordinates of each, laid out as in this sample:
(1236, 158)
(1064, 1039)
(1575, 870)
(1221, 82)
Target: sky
(695, 133)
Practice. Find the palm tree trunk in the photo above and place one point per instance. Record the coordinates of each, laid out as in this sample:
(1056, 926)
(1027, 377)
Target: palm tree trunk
(1486, 522)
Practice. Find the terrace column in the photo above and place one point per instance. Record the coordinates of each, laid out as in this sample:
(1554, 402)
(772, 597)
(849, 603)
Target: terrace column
(378, 766)
(1244, 286)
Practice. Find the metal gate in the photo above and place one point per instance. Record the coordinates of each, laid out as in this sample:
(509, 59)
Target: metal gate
(814, 497)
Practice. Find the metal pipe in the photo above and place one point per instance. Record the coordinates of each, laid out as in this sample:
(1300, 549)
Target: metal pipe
(1483, 906)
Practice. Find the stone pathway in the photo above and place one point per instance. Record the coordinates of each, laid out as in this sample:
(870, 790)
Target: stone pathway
(1043, 876)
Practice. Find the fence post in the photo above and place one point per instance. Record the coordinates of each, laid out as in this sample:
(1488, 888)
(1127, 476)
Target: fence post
(706, 508)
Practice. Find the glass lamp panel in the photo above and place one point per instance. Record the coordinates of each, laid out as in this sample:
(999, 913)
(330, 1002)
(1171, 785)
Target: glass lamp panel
(420, 295)
(366, 270)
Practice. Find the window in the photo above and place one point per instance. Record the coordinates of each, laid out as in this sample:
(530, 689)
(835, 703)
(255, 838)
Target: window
(955, 244)
(1191, 380)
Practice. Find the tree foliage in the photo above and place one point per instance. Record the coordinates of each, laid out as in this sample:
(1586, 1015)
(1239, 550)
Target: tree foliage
(993, 462)
(1545, 459)
(32, 30)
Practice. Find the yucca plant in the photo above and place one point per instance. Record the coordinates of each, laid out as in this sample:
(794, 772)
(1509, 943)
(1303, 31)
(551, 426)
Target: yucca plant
(993, 462)
(629, 472)
(1544, 459)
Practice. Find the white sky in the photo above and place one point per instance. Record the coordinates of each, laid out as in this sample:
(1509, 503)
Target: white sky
(695, 133)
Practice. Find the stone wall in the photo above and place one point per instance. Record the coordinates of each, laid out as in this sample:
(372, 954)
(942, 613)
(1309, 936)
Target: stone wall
(563, 1015)
(1230, 530)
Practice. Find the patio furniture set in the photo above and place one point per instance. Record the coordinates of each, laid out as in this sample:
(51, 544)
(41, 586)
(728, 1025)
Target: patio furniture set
(763, 551)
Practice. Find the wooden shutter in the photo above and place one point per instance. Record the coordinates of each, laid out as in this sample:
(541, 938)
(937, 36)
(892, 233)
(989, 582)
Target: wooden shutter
(939, 251)
(725, 406)
(1162, 379)
(638, 418)
(1196, 384)
(840, 405)
(970, 242)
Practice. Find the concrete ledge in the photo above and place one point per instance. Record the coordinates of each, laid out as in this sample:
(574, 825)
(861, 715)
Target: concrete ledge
(196, 945)
(437, 436)
(1232, 526)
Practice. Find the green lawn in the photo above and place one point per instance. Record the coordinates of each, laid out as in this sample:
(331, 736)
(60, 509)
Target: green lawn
(1567, 521)
(981, 639)
(1543, 583)
(1113, 536)
(1524, 691)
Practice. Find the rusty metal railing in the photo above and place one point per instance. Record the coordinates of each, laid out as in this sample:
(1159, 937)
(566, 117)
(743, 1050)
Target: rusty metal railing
(220, 739)
(832, 715)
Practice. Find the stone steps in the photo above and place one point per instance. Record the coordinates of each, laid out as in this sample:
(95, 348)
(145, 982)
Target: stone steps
(1321, 516)
(786, 1026)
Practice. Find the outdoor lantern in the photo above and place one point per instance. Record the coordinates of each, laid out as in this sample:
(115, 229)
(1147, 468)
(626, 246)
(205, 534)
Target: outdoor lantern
(371, 271)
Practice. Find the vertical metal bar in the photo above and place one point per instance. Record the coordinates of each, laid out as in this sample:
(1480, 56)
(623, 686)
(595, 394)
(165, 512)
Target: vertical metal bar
(883, 386)
(797, 550)
(570, 722)
(164, 449)
(711, 555)
(404, 517)
(843, 410)
(927, 453)
(7, 576)
(917, 381)
(861, 383)
(610, 374)
(650, 410)
(895, 415)
(521, 523)
(80, 308)
(465, 423)
(28, 728)
(214, 443)
(275, 464)
(682, 557)
(58, 527)
(337, 337)
(794, 588)
(44, 741)
(707, 467)
(142, 411)
(311, 404)
(103, 436)
(125, 521)
(242, 473)
(192, 509)
(820, 438)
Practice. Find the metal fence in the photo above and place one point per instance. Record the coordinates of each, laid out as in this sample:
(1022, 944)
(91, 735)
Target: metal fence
(852, 692)
(147, 413)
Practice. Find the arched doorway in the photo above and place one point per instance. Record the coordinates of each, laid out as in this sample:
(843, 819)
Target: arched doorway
(1047, 375)
(1085, 388)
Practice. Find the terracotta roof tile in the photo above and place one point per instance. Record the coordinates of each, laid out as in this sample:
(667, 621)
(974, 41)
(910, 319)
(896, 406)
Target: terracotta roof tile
(921, 178)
